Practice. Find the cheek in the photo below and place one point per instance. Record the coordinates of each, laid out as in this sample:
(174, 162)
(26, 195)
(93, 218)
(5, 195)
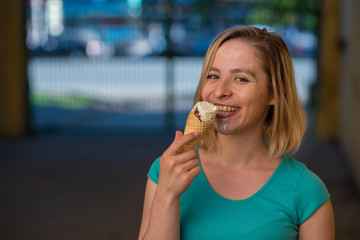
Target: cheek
(205, 92)
(252, 98)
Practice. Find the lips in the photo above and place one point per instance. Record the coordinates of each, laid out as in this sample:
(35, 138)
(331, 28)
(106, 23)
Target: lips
(225, 111)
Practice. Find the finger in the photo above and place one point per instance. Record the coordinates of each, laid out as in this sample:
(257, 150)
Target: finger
(186, 156)
(190, 164)
(181, 141)
(178, 134)
(192, 173)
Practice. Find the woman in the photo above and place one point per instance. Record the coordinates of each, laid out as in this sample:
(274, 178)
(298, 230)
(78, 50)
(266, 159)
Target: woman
(238, 184)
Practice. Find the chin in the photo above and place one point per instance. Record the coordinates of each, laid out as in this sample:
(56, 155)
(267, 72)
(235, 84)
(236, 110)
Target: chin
(222, 126)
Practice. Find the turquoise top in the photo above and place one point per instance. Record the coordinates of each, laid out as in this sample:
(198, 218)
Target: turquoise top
(291, 195)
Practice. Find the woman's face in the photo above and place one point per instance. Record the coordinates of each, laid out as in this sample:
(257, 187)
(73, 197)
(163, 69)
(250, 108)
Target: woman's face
(238, 84)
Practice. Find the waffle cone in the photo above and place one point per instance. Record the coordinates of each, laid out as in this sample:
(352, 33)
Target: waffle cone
(193, 124)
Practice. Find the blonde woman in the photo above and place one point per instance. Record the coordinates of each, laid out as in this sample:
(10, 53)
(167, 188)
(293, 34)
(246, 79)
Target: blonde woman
(238, 184)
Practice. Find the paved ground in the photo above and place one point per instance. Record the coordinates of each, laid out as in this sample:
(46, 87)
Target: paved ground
(92, 187)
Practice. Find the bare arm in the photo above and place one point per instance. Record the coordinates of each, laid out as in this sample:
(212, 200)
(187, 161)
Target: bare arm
(320, 225)
(148, 200)
(161, 213)
(164, 213)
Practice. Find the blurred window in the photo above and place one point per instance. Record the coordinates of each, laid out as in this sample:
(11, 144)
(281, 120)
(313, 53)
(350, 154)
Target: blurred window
(134, 65)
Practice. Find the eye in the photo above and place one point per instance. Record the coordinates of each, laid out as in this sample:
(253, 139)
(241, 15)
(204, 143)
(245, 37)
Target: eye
(241, 79)
(213, 76)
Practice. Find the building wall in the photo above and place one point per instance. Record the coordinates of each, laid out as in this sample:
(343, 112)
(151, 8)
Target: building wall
(350, 83)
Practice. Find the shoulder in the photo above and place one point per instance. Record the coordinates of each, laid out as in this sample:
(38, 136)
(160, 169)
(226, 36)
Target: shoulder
(305, 179)
(299, 172)
(310, 191)
(292, 170)
(293, 165)
(154, 171)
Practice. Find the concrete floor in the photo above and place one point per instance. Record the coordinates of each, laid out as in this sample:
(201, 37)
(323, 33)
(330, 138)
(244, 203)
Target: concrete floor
(73, 188)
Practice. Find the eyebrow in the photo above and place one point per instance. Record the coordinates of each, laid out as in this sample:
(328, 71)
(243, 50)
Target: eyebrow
(235, 70)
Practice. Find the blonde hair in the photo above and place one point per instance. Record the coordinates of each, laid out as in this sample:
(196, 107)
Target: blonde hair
(285, 122)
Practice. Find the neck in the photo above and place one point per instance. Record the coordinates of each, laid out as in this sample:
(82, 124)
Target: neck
(241, 150)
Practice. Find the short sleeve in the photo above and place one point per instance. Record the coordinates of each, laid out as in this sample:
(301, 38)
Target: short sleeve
(311, 193)
(154, 171)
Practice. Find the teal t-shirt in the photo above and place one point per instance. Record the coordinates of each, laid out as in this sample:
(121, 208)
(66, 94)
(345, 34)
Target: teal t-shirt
(290, 196)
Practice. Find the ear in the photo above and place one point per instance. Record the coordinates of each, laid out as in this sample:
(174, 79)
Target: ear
(272, 100)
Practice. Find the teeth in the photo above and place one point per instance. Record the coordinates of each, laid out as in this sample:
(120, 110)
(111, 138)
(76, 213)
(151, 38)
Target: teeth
(227, 109)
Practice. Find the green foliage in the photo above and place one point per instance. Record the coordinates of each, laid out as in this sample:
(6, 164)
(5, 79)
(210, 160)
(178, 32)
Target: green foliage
(273, 12)
(286, 12)
(69, 102)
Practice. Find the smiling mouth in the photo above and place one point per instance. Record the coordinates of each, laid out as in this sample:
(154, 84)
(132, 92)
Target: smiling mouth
(225, 110)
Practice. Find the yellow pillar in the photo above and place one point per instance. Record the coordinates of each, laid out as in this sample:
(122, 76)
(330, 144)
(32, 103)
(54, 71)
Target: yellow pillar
(13, 74)
(327, 110)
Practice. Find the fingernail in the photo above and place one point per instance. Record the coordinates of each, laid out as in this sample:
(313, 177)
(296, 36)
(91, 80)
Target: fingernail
(196, 133)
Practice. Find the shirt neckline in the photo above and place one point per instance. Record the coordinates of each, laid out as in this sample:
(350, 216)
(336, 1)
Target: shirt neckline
(256, 194)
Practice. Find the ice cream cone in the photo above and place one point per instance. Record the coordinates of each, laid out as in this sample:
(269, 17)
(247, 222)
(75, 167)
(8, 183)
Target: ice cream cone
(195, 124)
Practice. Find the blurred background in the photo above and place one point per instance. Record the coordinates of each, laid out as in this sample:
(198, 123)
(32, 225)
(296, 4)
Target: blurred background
(91, 92)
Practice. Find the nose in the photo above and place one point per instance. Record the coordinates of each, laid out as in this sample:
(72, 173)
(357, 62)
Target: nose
(223, 89)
